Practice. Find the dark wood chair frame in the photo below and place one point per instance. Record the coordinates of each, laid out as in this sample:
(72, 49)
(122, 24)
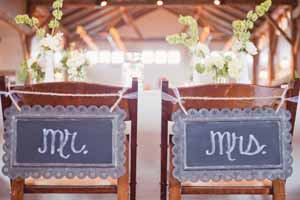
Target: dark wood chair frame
(126, 185)
(174, 189)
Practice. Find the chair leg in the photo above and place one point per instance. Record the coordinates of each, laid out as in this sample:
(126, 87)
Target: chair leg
(174, 184)
(123, 181)
(17, 189)
(279, 190)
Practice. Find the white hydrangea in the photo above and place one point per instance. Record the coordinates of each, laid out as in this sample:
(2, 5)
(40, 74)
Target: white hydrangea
(51, 43)
(215, 58)
(76, 59)
(237, 45)
(251, 48)
(200, 50)
(234, 68)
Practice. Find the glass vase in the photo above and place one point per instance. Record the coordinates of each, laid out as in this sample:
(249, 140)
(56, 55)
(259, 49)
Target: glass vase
(48, 65)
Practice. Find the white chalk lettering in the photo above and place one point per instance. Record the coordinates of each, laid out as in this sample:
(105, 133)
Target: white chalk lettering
(228, 142)
(64, 138)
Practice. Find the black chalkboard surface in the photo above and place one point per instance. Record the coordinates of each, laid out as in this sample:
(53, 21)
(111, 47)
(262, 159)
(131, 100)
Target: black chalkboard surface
(232, 144)
(48, 141)
(64, 141)
(245, 144)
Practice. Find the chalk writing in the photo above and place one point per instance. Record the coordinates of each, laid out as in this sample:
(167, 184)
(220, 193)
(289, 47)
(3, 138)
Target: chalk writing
(65, 137)
(227, 143)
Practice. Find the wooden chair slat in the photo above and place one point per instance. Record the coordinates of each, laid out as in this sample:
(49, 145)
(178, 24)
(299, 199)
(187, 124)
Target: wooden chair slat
(108, 189)
(217, 190)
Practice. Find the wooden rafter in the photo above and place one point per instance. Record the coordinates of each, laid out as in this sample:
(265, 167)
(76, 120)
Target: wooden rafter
(104, 19)
(219, 13)
(277, 27)
(70, 11)
(128, 19)
(204, 34)
(295, 47)
(218, 22)
(137, 15)
(10, 21)
(212, 22)
(106, 24)
(117, 39)
(86, 38)
(272, 51)
(86, 15)
(232, 11)
(255, 65)
(263, 25)
(86, 22)
(228, 44)
(76, 16)
(93, 3)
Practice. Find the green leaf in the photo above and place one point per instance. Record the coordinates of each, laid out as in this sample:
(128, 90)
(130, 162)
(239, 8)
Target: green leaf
(297, 75)
(41, 32)
(200, 68)
(23, 73)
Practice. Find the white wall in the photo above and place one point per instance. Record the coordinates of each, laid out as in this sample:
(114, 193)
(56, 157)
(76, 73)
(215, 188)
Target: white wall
(11, 53)
(178, 75)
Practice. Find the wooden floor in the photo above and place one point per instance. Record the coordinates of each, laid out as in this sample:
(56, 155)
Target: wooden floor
(149, 164)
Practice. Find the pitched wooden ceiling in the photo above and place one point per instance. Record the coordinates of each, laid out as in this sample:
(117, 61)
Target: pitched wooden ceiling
(97, 20)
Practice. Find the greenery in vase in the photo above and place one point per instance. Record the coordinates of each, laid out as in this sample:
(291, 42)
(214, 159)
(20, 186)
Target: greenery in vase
(220, 64)
(48, 43)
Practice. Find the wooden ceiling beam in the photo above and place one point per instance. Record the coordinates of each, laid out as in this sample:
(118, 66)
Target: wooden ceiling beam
(219, 13)
(93, 3)
(103, 19)
(277, 27)
(22, 29)
(137, 15)
(71, 11)
(76, 19)
(91, 17)
(213, 22)
(87, 22)
(217, 20)
(86, 38)
(155, 39)
(72, 18)
(129, 20)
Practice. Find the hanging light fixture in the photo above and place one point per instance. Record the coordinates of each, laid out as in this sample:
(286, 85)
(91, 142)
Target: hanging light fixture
(103, 3)
(159, 3)
(217, 2)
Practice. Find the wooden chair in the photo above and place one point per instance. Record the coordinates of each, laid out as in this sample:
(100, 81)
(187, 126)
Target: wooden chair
(126, 185)
(174, 189)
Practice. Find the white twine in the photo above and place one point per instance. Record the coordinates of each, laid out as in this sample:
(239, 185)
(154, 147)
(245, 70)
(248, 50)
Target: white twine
(120, 94)
(63, 94)
(179, 100)
(7, 94)
(282, 99)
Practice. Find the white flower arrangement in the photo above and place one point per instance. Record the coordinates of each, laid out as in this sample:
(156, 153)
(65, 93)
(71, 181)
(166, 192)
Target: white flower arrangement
(220, 64)
(51, 43)
(75, 63)
(48, 43)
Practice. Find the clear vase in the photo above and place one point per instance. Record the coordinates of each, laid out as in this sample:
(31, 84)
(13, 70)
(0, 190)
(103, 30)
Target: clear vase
(245, 74)
(222, 80)
(48, 66)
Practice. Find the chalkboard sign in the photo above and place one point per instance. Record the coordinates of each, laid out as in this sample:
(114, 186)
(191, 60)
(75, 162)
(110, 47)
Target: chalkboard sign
(232, 144)
(64, 141)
